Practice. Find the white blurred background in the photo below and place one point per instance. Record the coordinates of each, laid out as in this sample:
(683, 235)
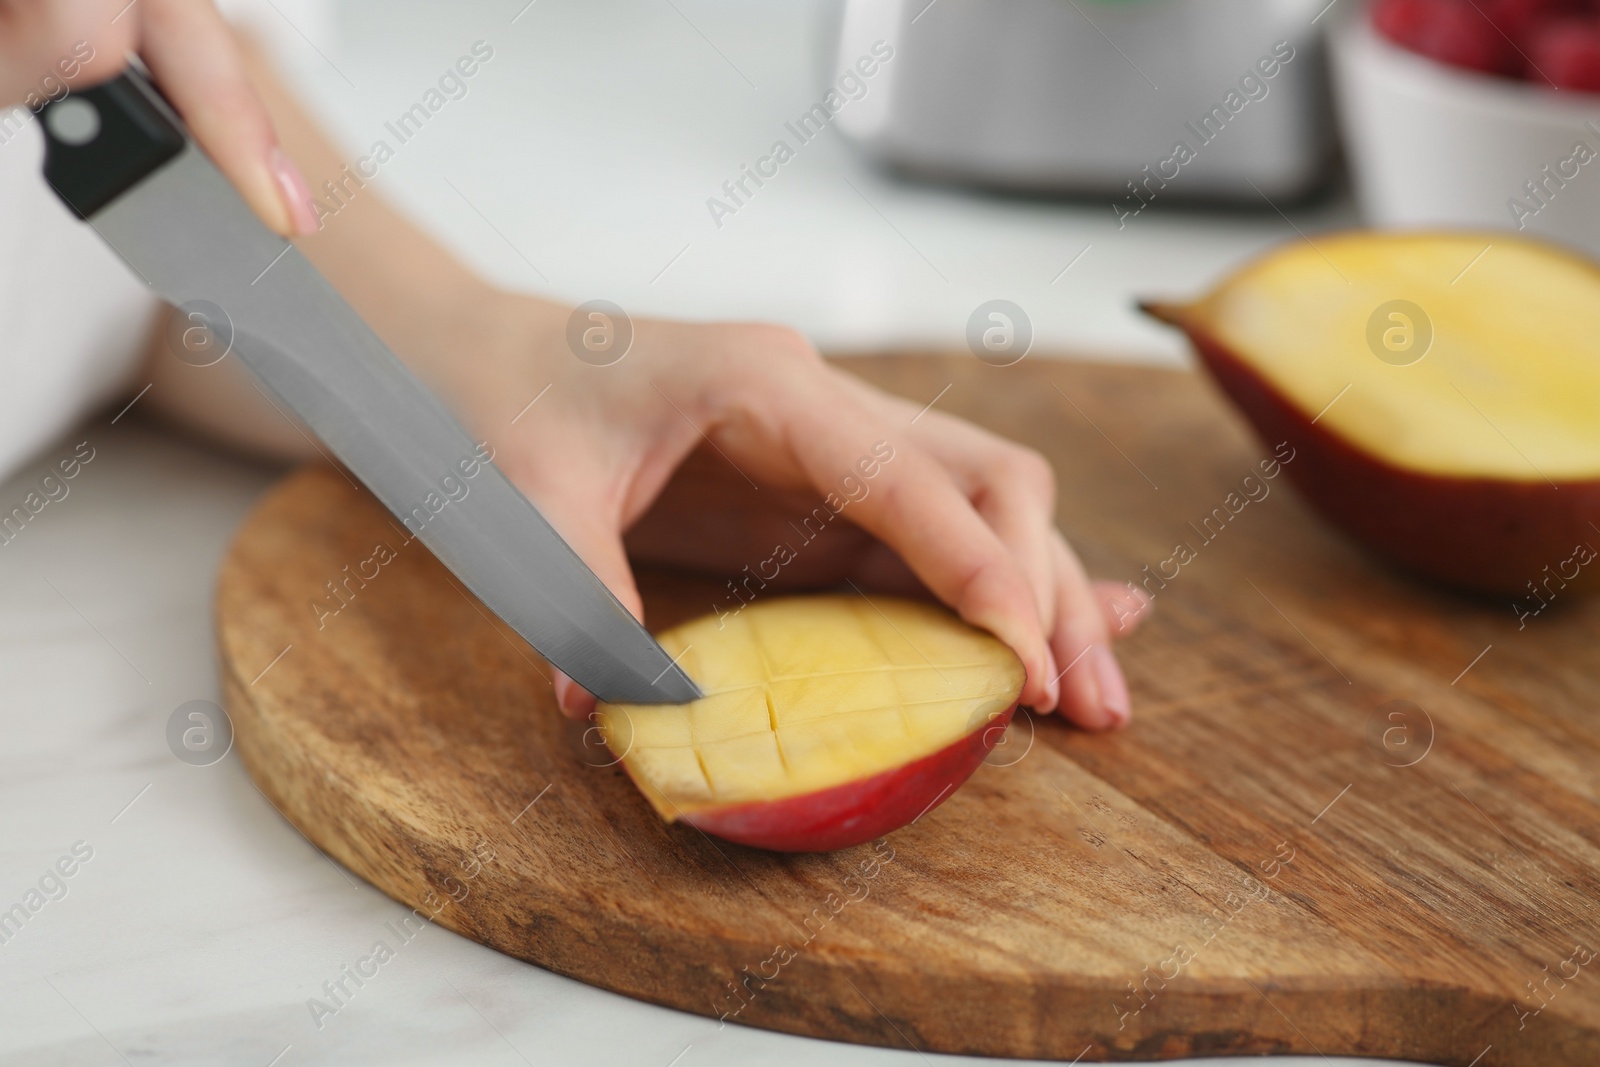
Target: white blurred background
(593, 139)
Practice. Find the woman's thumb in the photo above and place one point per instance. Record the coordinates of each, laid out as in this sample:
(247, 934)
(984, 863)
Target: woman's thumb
(599, 544)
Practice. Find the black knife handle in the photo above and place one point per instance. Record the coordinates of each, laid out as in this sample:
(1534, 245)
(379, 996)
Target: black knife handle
(102, 141)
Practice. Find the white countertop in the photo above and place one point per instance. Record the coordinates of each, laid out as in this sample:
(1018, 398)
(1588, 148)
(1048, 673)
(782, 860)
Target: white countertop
(204, 921)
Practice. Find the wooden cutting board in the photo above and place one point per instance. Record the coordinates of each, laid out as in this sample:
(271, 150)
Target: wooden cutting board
(1353, 814)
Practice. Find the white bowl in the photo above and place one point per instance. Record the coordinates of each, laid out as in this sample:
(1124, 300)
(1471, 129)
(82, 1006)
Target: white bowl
(1431, 145)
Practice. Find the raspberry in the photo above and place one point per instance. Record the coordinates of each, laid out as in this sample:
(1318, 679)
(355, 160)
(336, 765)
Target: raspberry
(1451, 31)
(1461, 36)
(1517, 19)
(1565, 52)
(1402, 21)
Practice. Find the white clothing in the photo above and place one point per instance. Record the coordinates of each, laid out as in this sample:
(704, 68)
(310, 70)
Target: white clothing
(73, 317)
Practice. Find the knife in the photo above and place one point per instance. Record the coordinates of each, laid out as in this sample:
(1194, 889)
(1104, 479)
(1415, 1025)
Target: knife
(120, 157)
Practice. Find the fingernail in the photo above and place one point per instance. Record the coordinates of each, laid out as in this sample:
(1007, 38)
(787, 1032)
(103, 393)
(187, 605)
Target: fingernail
(563, 688)
(573, 699)
(295, 192)
(1113, 686)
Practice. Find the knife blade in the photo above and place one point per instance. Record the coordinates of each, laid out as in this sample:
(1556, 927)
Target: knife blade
(121, 159)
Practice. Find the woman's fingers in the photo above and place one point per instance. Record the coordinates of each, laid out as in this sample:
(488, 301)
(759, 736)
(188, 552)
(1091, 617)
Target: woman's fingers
(195, 58)
(910, 502)
(47, 46)
(1124, 607)
(1012, 487)
(945, 508)
(1093, 692)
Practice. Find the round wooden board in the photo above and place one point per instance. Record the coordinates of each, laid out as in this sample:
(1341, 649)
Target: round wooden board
(1266, 861)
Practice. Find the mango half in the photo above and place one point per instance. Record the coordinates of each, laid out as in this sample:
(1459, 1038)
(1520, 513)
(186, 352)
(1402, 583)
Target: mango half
(1441, 393)
(827, 721)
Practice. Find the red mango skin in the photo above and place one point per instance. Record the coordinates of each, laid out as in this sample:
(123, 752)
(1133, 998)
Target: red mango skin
(1479, 535)
(859, 811)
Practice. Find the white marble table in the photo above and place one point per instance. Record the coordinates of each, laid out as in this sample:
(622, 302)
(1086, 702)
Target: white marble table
(203, 922)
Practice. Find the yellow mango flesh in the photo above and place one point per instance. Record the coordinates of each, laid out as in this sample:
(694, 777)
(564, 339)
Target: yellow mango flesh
(1510, 388)
(806, 693)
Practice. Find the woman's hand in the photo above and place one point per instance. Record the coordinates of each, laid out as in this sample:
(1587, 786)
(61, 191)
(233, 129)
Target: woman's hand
(723, 447)
(49, 47)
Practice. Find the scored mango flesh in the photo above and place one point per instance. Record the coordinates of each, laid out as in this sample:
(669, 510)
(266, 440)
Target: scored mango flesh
(1509, 389)
(806, 693)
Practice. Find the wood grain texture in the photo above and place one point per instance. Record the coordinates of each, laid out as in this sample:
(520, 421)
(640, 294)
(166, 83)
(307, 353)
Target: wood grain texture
(1264, 862)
